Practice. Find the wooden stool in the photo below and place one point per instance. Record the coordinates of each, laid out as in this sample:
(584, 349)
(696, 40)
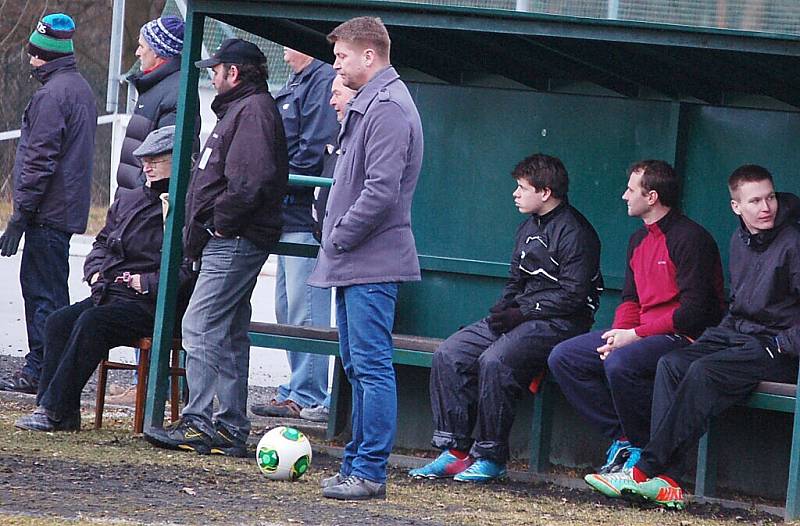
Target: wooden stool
(142, 370)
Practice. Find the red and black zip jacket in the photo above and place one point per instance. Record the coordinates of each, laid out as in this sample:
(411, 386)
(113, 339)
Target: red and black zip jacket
(673, 282)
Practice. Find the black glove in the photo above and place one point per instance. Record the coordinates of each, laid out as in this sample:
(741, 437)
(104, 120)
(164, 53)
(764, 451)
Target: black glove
(503, 304)
(9, 241)
(98, 291)
(505, 320)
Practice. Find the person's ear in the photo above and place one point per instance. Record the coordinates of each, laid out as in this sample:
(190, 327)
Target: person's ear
(369, 57)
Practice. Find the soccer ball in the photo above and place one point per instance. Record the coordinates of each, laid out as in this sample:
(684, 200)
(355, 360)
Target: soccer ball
(283, 453)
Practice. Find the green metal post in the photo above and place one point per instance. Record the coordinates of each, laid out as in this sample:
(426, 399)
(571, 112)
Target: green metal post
(706, 476)
(793, 490)
(172, 250)
(541, 428)
(338, 416)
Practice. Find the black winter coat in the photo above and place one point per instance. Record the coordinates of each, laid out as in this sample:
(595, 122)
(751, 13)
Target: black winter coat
(131, 242)
(53, 166)
(765, 279)
(156, 107)
(555, 269)
(240, 178)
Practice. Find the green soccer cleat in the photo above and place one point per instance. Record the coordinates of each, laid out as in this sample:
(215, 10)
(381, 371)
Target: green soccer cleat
(612, 485)
(661, 491)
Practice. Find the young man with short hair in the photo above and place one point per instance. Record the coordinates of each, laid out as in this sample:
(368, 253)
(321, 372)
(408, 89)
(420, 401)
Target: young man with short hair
(672, 292)
(757, 340)
(552, 294)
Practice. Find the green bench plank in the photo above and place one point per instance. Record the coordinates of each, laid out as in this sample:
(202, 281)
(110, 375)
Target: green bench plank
(769, 396)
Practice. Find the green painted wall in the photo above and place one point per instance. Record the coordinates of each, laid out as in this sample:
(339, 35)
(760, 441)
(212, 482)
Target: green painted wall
(463, 209)
(474, 136)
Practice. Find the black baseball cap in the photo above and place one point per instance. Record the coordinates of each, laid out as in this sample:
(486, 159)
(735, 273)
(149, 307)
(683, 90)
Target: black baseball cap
(234, 51)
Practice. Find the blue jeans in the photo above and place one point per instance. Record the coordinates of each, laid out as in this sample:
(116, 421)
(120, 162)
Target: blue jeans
(43, 275)
(215, 335)
(365, 316)
(615, 394)
(299, 304)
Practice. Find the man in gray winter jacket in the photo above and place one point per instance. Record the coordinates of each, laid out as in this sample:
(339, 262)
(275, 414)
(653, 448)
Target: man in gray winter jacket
(367, 244)
(52, 182)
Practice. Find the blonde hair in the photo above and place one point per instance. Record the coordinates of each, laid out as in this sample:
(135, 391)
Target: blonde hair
(365, 31)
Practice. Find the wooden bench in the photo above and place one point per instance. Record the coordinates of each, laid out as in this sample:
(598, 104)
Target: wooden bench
(768, 396)
(408, 350)
(415, 351)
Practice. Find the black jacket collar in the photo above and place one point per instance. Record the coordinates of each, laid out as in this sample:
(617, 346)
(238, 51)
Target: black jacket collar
(543, 219)
(666, 222)
(143, 82)
(224, 101)
(788, 212)
(46, 71)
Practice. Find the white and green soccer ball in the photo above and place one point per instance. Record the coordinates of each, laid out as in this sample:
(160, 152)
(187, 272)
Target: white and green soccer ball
(283, 453)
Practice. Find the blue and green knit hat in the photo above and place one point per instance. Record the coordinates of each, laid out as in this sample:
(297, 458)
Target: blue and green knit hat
(52, 38)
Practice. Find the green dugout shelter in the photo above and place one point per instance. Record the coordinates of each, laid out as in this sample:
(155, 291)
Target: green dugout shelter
(494, 86)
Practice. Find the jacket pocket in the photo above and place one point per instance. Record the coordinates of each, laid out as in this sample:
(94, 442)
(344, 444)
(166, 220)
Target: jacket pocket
(196, 238)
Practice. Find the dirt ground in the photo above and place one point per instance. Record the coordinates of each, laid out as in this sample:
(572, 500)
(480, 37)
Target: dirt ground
(111, 477)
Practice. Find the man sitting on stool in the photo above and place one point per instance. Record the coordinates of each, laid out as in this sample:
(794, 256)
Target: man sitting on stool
(122, 270)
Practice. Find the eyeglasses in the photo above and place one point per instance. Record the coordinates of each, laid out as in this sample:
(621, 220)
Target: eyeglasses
(156, 162)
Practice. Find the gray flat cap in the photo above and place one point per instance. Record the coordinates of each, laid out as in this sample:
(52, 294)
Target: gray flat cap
(157, 142)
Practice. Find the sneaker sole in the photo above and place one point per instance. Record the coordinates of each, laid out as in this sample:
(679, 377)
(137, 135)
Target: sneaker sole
(30, 428)
(200, 450)
(229, 452)
(486, 480)
(634, 496)
(382, 496)
(418, 476)
(601, 486)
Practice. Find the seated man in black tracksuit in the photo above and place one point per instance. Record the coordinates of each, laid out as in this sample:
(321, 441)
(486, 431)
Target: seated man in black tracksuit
(122, 270)
(757, 340)
(479, 372)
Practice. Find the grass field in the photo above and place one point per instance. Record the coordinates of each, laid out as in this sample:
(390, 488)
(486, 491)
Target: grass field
(111, 477)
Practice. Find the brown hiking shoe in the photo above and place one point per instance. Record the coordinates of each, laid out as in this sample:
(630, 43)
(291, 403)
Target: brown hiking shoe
(284, 409)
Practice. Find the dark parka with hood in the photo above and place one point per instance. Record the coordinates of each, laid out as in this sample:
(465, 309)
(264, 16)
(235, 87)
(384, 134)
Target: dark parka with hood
(765, 279)
(53, 167)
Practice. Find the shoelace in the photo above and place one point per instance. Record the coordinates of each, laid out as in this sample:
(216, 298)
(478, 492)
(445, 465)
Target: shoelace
(613, 450)
(634, 453)
(352, 480)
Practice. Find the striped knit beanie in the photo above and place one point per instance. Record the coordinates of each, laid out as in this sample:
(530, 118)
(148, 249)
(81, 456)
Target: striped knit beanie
(164, 36)
(52, 38)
